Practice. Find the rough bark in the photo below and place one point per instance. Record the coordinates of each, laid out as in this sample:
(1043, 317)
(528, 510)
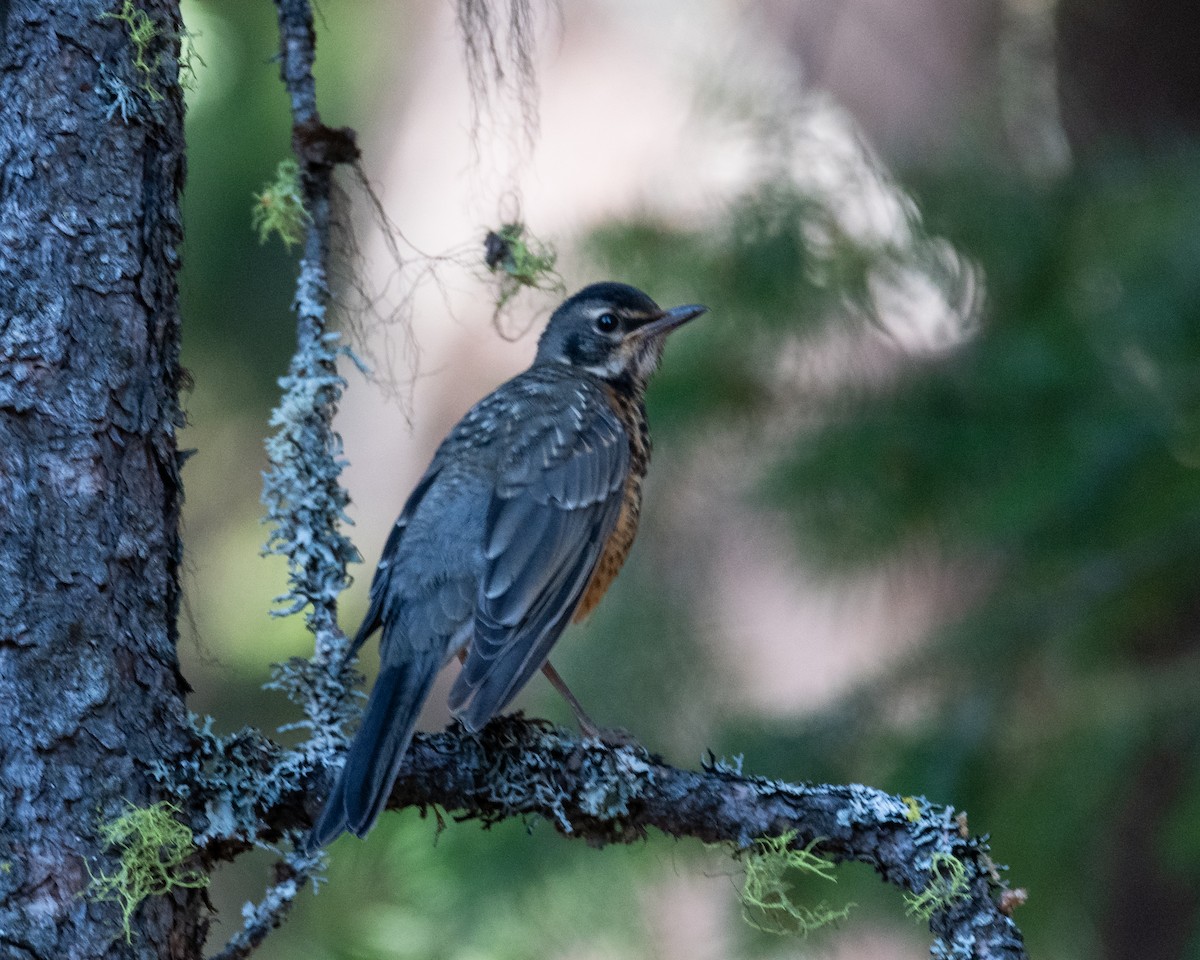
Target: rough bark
(91, 700)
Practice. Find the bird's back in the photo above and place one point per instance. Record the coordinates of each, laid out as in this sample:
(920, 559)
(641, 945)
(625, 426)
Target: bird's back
(514, 437)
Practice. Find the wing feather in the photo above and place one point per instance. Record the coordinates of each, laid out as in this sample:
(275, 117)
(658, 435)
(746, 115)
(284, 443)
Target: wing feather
(557, 501)
(380, 583)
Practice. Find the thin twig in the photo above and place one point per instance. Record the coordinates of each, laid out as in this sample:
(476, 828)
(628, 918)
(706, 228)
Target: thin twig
(291, 876)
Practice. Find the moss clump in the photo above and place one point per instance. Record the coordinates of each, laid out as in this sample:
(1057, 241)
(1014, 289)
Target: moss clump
(279, 207)
(153, 847)
(768, 902)
(947, 885)
(520, 260)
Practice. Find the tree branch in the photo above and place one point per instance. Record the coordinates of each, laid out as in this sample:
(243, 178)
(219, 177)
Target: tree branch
(291, 876)
(305, 501)
(304, 498)
(601, 794)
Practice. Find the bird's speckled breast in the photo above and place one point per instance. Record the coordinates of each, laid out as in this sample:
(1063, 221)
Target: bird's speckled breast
(632, 413)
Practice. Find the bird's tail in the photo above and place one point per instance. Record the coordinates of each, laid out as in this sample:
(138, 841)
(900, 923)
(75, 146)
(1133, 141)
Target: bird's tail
(374, 758)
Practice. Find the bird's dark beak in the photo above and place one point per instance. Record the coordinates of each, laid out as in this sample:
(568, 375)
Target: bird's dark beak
(668, 320)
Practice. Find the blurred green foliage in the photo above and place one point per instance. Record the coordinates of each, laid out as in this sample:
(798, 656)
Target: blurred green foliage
(456, 892)
(1052, 460)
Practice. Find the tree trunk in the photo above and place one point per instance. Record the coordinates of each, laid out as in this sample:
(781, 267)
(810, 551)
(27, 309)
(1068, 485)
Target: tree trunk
(91, 700)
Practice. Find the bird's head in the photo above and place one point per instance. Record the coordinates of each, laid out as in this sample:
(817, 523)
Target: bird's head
(613, 331)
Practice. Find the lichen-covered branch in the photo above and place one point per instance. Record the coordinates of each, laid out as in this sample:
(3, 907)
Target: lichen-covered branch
(302, 492)
(291, 876)
(601, 795)
(305, 501)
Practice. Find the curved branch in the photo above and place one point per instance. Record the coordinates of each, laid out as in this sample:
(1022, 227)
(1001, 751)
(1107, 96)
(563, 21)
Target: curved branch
(602, 794)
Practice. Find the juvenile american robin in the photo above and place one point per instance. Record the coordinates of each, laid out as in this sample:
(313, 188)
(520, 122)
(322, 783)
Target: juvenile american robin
(518, 527)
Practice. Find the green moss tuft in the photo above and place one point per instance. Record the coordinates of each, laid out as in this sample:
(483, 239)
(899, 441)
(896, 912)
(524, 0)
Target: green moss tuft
(520, 260)
(768, 902)
(153, 847)
(279, 208)
(947, 885)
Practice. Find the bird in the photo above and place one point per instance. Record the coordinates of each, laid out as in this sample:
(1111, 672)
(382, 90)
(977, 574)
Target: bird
(516, 529)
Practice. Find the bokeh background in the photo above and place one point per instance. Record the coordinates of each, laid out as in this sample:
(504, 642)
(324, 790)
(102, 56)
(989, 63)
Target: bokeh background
(925, 511)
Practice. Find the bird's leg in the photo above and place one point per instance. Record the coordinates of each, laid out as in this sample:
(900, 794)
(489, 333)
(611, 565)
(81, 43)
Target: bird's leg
(586, 725)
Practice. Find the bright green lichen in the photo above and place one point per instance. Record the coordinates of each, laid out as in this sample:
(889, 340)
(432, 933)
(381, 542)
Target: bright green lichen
(142, 36)
(947, 885)
(768, 902)
(279, 207)
(153, 848)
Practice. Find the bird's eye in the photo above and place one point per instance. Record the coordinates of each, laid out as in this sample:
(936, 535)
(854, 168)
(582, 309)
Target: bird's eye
(606, 323)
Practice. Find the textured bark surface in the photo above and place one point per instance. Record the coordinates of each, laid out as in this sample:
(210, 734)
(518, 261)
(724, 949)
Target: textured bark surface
(91, 701)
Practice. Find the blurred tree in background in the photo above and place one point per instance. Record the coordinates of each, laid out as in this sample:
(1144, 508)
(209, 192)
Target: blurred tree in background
(1047, 458)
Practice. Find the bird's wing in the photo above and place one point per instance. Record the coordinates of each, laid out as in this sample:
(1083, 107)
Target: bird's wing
(380, 583)
(557, 500)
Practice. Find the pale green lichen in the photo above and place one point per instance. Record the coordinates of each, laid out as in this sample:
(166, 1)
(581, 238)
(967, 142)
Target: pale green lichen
(305, 502)
(768, 897)
(120, 97)
(153, 848)
(126, 89)
(259, 919)
(143, 33)
(947, 885)
(725, 766)
(230, 779)
(330, 702)
(189, 56)
(279, 206)
(611, 781)
(306, 510)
